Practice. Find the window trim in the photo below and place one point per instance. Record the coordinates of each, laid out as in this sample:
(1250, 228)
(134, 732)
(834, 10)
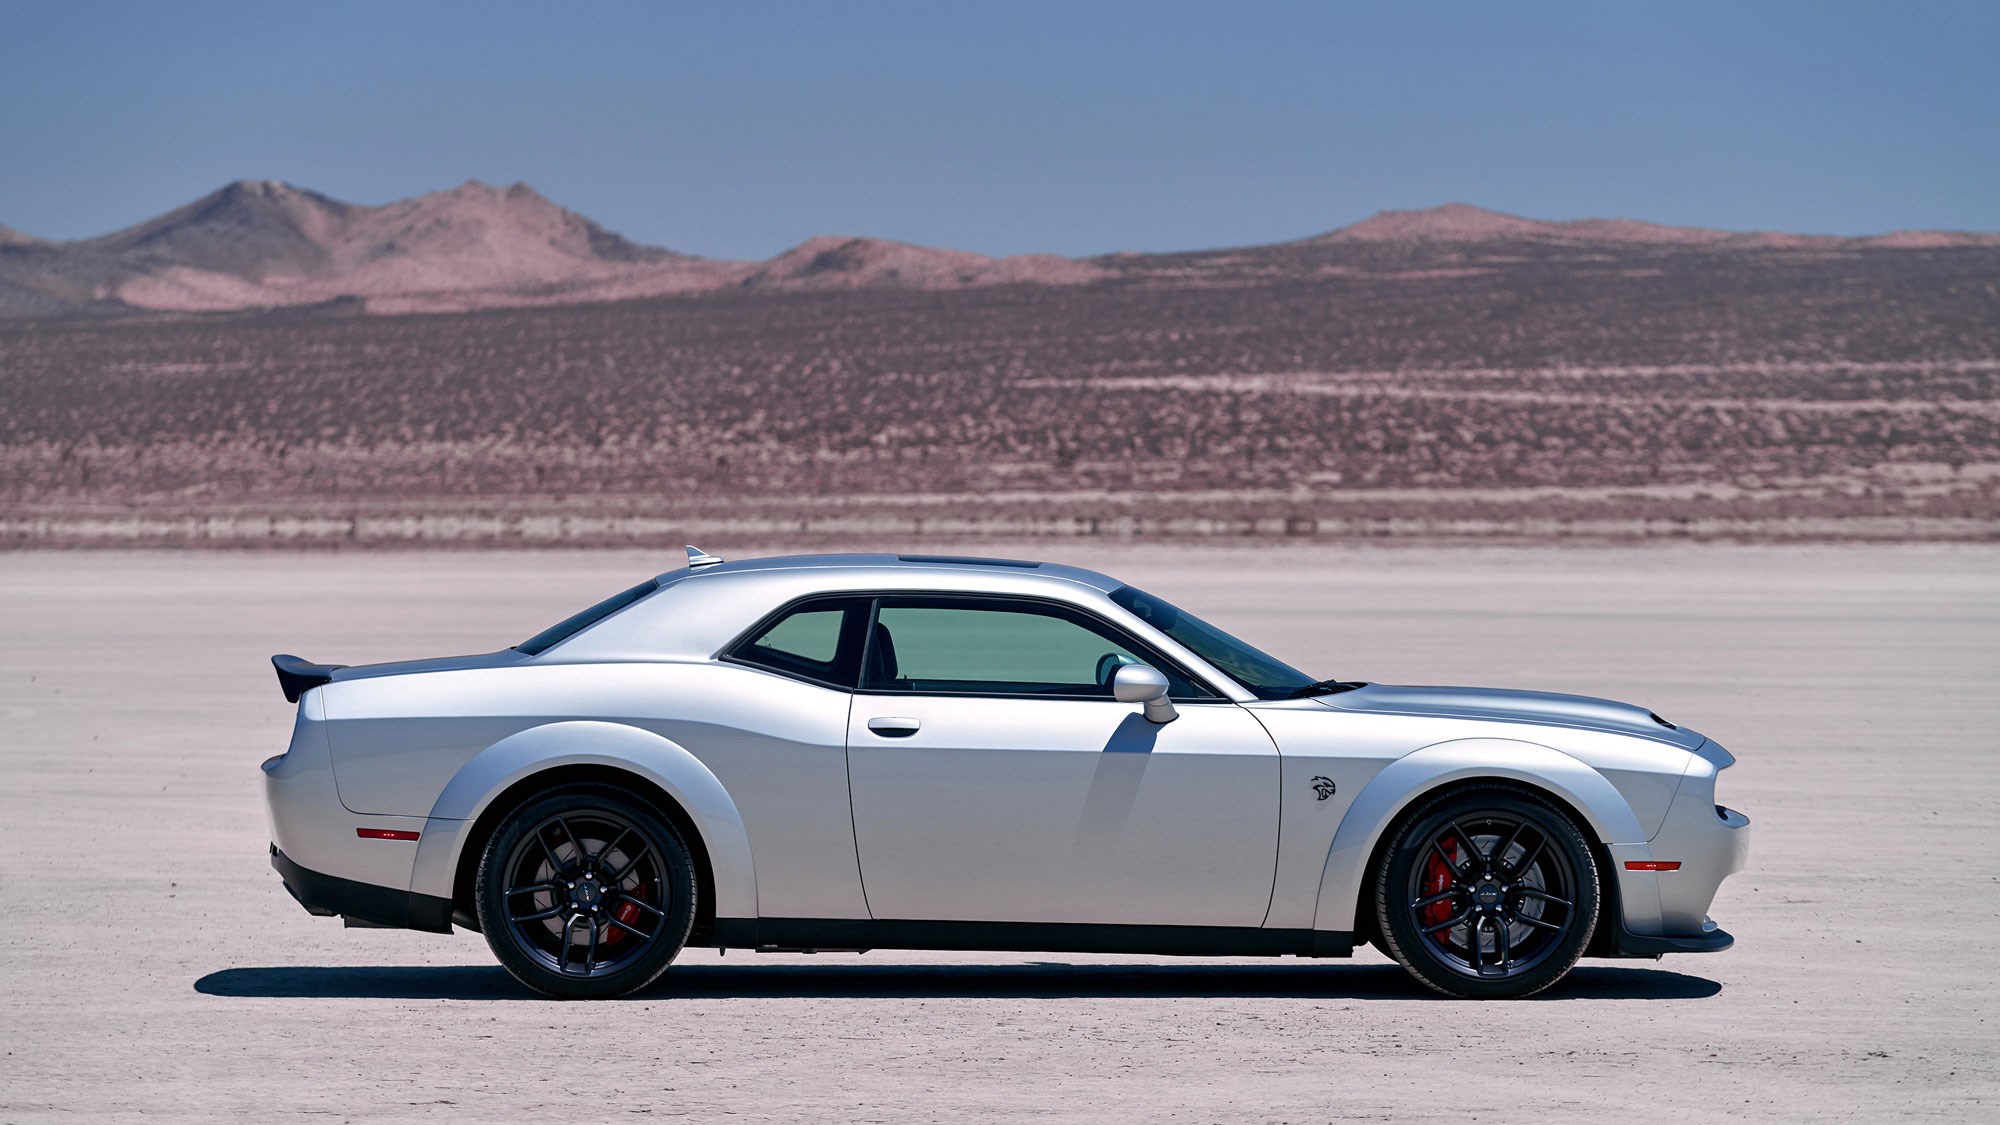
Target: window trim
(1118, 634)
(872, 599)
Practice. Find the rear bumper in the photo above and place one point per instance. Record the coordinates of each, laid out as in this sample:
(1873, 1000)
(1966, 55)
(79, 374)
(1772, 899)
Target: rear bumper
(315, 833)
(328, 895)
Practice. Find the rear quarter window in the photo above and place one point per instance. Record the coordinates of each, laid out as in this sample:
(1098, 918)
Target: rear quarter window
(818, 641)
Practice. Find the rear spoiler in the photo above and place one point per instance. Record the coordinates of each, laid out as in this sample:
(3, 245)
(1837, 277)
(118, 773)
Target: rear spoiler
(297, 675)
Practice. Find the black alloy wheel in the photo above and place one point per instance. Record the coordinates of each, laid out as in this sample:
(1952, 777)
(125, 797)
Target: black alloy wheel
(586, 891)
(1487, 893)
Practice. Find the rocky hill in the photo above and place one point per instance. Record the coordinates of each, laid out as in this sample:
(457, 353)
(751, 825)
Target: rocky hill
(265, 244)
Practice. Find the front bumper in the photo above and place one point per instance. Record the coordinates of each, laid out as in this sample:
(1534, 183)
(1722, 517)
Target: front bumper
(1667, 911)
(1712, 939)
(327, 895)
(1711, 843)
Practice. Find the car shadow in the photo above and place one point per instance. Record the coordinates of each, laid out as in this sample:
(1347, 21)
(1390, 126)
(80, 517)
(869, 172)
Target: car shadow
(1035, 981)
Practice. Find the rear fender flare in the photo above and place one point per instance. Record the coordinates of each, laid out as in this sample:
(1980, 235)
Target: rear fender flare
(1415, 776)
(641, 752)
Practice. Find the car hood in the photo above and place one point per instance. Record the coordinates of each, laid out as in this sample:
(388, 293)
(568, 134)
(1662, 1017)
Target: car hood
(1503, 705)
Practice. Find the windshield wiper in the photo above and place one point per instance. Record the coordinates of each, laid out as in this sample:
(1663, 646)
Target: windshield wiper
(1326, 687)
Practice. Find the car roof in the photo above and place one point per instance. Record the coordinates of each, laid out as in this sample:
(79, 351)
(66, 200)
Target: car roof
(967, 565)
(698, 611)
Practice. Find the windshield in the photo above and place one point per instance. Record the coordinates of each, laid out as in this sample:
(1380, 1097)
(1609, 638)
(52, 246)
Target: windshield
(1266, 676)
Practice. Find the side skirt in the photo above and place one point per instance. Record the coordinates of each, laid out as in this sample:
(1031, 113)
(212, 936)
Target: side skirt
(852, 934)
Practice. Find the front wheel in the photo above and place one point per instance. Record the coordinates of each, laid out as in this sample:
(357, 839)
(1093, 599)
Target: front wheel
(586, 891)
(1488, 893)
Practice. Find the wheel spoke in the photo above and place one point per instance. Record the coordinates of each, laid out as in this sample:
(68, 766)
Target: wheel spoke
(1503, 943)
(1528, 921)
(1446, 856)
(633, 930)
(537, 916)
(631, 864)
(532, 888)
(1433, 900)
(569, 928)
(1544, 896)
(1471, 846)
(1473, 953)
(604, 852)
(645, 906)
(1528, 857)
(575, 844)
(555, 861)
(590, 952)
(1500, 854)
(1449, 922)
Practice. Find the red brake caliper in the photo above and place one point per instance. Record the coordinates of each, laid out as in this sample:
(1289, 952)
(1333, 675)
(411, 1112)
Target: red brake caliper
(626, 913)
(1437, 880)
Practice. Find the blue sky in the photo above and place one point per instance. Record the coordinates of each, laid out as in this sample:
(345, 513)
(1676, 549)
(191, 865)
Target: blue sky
(738, 129)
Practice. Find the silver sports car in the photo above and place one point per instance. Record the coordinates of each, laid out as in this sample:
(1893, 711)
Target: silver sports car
(848, 752)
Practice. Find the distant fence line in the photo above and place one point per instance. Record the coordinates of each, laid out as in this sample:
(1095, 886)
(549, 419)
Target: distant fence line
(415, 529)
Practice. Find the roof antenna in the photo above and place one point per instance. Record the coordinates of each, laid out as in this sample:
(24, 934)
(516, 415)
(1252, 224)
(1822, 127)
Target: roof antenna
(698, 558)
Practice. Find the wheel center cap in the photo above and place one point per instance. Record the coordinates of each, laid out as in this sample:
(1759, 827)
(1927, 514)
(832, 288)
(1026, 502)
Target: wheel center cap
(1487, 894)
(587, 893)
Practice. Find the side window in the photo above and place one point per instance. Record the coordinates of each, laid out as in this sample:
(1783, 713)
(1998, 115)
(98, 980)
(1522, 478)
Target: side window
(818, 641)
(973, 647)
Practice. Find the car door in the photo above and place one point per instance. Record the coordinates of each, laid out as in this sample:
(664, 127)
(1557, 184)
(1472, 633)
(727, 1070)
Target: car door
(994, 777)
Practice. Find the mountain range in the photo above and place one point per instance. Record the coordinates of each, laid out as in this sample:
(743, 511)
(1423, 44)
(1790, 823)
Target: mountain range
(265, 244)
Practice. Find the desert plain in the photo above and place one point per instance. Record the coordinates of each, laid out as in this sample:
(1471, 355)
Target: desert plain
(151, 966)
(1450, 374)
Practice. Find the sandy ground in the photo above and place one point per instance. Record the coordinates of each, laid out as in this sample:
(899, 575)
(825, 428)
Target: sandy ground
(151, 966)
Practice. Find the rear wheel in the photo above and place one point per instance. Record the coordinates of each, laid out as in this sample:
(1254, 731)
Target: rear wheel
(1487, 893)
(586, 891)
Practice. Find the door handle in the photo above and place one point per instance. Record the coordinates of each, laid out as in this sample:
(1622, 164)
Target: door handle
(894, 726)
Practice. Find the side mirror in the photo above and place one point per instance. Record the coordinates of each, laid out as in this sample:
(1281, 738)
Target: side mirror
(1137, 683)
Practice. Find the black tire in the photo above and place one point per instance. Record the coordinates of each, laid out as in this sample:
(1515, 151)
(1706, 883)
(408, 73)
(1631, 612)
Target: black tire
(586, 891)
(1487, 893)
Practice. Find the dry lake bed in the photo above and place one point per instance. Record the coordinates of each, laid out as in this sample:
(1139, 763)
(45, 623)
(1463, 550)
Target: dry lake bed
(152, 967)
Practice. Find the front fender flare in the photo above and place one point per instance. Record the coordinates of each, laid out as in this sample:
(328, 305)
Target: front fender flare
(582, 742)
(1414, 776)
